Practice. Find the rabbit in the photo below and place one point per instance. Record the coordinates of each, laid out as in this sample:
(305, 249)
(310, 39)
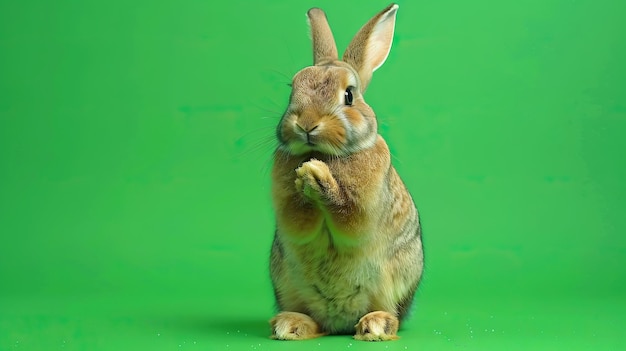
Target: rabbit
(347, 252)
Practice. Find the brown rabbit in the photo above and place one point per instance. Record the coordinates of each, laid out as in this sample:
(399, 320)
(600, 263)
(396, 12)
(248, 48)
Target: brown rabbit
(347, 252)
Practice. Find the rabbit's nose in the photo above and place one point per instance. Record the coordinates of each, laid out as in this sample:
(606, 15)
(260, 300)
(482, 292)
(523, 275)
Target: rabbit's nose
(307, 131)
(307, 128)
(307, 120)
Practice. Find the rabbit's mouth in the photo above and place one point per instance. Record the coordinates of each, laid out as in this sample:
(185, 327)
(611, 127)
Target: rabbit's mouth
(310, 140)
(308, 146)
(302, 147)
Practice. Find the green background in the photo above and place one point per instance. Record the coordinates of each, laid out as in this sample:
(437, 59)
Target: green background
(135, 148)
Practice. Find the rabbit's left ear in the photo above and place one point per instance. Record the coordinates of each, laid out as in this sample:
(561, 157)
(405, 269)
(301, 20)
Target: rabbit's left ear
(371, 45)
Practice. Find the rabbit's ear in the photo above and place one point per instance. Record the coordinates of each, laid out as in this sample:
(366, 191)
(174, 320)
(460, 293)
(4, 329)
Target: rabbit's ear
(324, 48)
(370, 46)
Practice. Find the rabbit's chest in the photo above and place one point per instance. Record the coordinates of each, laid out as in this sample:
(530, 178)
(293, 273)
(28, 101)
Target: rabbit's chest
(335, 271)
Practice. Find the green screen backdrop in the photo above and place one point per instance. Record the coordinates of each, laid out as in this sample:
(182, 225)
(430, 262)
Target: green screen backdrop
(135, 148)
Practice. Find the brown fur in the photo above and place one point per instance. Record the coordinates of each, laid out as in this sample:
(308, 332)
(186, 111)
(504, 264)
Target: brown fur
(347, 253)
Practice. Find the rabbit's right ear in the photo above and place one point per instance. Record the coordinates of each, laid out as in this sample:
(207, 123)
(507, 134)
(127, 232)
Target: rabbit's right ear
(370, 47)
(324, 48)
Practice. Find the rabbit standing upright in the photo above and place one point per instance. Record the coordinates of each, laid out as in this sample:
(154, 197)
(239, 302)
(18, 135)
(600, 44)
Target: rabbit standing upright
(347, 253)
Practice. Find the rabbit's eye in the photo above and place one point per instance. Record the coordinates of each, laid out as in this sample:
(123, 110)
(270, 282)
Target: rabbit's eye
(348, 97)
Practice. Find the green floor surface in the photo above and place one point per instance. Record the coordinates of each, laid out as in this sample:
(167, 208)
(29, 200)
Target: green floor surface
(159, 324)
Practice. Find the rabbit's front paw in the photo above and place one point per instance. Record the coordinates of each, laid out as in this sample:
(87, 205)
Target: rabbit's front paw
(313, 179)
(377, 326)
(294, 326)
